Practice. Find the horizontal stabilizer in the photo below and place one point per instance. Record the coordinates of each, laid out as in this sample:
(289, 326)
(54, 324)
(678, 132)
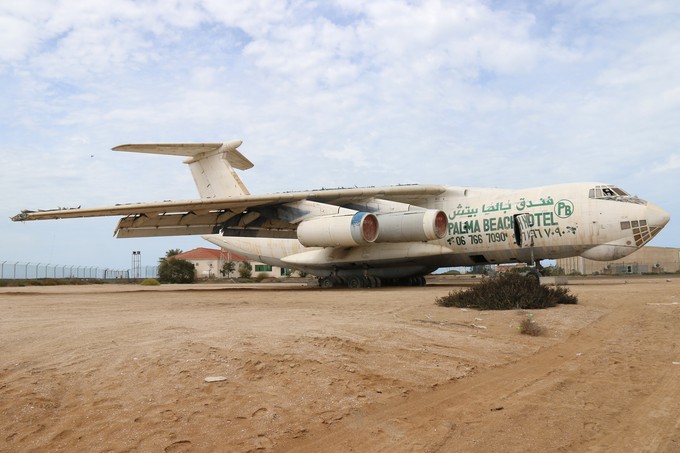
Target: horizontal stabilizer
(195, 151)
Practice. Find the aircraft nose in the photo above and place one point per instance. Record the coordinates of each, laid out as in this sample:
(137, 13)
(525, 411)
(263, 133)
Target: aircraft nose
(656, 216)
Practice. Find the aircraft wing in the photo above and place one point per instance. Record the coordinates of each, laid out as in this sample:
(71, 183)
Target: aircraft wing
(250, 215)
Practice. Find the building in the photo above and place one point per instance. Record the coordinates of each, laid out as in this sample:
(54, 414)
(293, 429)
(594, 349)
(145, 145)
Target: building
(645, 260)
(209, 262)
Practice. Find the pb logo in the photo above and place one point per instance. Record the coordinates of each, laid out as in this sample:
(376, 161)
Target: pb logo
(564, 209)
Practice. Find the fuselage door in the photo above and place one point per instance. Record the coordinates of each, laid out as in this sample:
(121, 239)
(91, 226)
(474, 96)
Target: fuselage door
(523, 223)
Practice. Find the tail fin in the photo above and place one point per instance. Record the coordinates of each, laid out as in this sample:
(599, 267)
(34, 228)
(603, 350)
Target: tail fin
(212, 165)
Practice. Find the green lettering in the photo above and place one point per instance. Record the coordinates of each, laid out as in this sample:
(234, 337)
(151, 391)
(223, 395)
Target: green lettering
(469, 226)
(537, 219)
(549, 219)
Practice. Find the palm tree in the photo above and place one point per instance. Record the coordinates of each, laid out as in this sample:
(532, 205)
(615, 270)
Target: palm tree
(172, 252)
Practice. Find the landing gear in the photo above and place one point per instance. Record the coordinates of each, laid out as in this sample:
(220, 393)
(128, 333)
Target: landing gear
(416, 281)
(326, 282)
(535, 273)
(355, 281)
(374, 282)
(406, 281)
(369, 281)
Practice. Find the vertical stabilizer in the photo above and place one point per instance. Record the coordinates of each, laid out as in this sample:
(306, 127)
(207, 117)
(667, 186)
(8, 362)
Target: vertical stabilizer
(212, 165)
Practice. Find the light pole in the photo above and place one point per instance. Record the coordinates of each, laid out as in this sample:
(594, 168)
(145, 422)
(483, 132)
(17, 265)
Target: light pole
(136, 263)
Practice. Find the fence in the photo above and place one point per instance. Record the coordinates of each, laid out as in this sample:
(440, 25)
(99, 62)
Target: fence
(18, 271)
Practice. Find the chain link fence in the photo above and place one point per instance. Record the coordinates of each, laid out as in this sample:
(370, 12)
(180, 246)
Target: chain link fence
(15, 270)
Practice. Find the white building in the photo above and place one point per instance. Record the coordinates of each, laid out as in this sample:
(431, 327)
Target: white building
(645, 260)
(209, 262)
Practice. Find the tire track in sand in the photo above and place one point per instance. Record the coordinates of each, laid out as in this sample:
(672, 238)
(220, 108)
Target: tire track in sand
(610, 387)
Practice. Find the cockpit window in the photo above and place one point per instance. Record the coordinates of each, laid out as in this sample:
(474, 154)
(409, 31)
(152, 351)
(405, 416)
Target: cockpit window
(613, 193)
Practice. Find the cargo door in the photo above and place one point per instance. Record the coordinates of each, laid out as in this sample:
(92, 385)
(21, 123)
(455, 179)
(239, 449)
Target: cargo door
(523, 223)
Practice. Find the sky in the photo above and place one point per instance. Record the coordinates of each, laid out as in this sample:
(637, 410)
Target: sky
(333, 93)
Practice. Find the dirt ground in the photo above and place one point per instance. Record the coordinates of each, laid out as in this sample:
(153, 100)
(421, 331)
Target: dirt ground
(117, 368)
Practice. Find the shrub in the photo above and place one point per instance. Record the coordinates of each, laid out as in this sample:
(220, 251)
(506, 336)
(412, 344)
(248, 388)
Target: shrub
(245, 269)
(528, 327)
(508, 291)
(150, 282)
(173, 270)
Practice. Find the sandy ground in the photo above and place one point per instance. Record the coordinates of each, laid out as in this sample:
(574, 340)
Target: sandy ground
(122, 368)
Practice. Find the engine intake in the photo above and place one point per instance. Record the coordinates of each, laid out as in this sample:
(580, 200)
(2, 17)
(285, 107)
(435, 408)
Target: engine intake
(412, 226)
(338, 230)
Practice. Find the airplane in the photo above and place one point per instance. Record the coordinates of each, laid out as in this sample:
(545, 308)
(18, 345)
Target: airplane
(374, 236)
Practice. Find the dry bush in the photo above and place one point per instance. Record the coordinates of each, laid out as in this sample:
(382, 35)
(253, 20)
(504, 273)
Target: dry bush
(528, 327)
(508, 292)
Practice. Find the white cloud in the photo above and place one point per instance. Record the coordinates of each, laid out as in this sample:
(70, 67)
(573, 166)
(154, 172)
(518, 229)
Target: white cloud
(23, 38)
(671, 165)
(337, 94)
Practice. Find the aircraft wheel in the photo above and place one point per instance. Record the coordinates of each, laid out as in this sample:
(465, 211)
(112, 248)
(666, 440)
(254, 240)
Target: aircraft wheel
(326, 282)
(355, 282)
(422, 281)
(534, 277)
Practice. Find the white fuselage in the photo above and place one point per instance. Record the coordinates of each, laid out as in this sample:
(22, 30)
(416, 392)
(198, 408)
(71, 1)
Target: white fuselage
(565, 220)
(373, 235)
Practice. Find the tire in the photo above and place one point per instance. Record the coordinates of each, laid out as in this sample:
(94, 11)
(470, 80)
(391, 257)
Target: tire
(355, 282)
(326, 282)
(534, 277)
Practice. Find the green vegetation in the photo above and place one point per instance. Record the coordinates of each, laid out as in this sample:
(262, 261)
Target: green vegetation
(173, 270)
(552, 271)
(150, 282)
(227, 268)
(451, 272)
(508, 291)
(172, 252)
(245, 269)
(49, 282)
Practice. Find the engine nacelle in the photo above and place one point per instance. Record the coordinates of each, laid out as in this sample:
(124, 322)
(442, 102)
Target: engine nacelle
(338, 230)
(412, 226)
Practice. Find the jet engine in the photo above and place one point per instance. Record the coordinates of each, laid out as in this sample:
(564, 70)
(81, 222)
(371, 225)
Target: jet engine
(338, 230)
(364, 228)
(412, 226)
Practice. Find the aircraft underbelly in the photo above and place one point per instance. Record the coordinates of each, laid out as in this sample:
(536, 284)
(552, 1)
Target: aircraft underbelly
(398, 258)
